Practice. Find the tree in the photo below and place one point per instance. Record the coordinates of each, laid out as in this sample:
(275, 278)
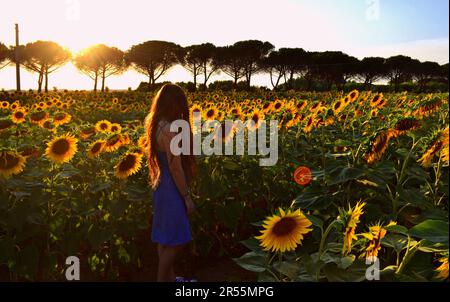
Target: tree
(296, 61)
(154, 58)
(333, 67)
(398, 69)
(230, 62)
(370, 70)
(443, 74)
(4, 56)
(275, 64)
(207, 54)
(424, 72)
(192, 62)
(251, 53)
(43, 57)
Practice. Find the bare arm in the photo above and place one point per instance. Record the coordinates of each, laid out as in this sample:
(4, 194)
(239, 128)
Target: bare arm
(175, 166)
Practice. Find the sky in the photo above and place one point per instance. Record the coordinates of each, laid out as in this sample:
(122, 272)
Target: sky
(418, 28)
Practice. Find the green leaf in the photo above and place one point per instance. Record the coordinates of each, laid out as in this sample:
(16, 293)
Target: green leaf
(433, 230)
(252, 261)
(100, 187)
(346, 261)
(252, 244)
(288, 269)
(346, 174)
(231, 165)
(395, 241)
(355, 273)
(397, 229)
(315, 220)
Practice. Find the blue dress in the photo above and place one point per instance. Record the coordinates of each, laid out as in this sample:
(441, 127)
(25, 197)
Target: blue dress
(170, 224)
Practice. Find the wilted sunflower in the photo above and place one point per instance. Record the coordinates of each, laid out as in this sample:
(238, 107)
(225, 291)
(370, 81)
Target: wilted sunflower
(375, 234)
(61, 118)
(442, 270)
(404, 125)
(96, 148)
(61, 149)
(103, 126)
(351, 220)
(440, 144)
(87, 132)
(18, 116)
(379, 146)
(11, 163)
(284, 232)
(129, 164)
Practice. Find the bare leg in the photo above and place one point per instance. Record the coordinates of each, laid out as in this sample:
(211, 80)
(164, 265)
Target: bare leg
(167, 259)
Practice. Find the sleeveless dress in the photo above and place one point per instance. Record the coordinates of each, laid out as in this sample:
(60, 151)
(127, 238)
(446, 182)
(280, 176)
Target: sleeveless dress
(170, 224)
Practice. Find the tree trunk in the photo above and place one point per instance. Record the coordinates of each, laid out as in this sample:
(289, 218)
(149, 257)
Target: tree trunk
(95, 81)
(205, 74)
(103, 80)
(46, 80)
(40, 80)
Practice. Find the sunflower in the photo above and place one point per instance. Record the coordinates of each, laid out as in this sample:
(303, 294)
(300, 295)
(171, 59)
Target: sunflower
(353, 95)
(284, 232)
(256, 118)
(338, 106)
(87, 132)
(4, 105)
(303, 176)
(38, 117)
(301, 105)
(265, 108)
(379, 145)
(61, 149)
(440, 145)
(442, 270)
(351, 220)
(18, 116)
(96, 148)
(210, 114)
(309, 124)
(277, 106)
(113, 143)
(404, 125)
(116, 128)
(103, 126)
(375, 234)
(142, 142)
(11, 163)
(61, 118)
(374, 112)
(376, 99)
(129, 164)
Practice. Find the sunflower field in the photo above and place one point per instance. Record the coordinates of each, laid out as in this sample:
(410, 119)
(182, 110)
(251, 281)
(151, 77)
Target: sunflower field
(361, 181)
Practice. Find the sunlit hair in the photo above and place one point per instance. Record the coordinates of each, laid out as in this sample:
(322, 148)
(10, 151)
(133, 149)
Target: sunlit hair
(169, 104)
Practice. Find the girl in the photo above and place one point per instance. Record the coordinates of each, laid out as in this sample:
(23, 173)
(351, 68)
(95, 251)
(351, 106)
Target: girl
(169, 176)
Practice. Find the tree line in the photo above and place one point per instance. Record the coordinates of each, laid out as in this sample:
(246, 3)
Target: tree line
(240, 61)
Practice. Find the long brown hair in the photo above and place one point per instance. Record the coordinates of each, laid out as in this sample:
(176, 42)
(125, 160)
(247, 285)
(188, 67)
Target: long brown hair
(169, 104)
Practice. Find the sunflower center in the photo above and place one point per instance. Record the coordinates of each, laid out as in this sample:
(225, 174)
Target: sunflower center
(277, 105)
(103, 126)
(19, 114)
(96, 147)
(210, 113)
(8, 161)
(337, 105)
(285, 226)
(127, 163)
(60, 147)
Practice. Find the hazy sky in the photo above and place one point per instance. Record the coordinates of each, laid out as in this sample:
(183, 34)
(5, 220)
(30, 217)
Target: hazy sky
(418, 28)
